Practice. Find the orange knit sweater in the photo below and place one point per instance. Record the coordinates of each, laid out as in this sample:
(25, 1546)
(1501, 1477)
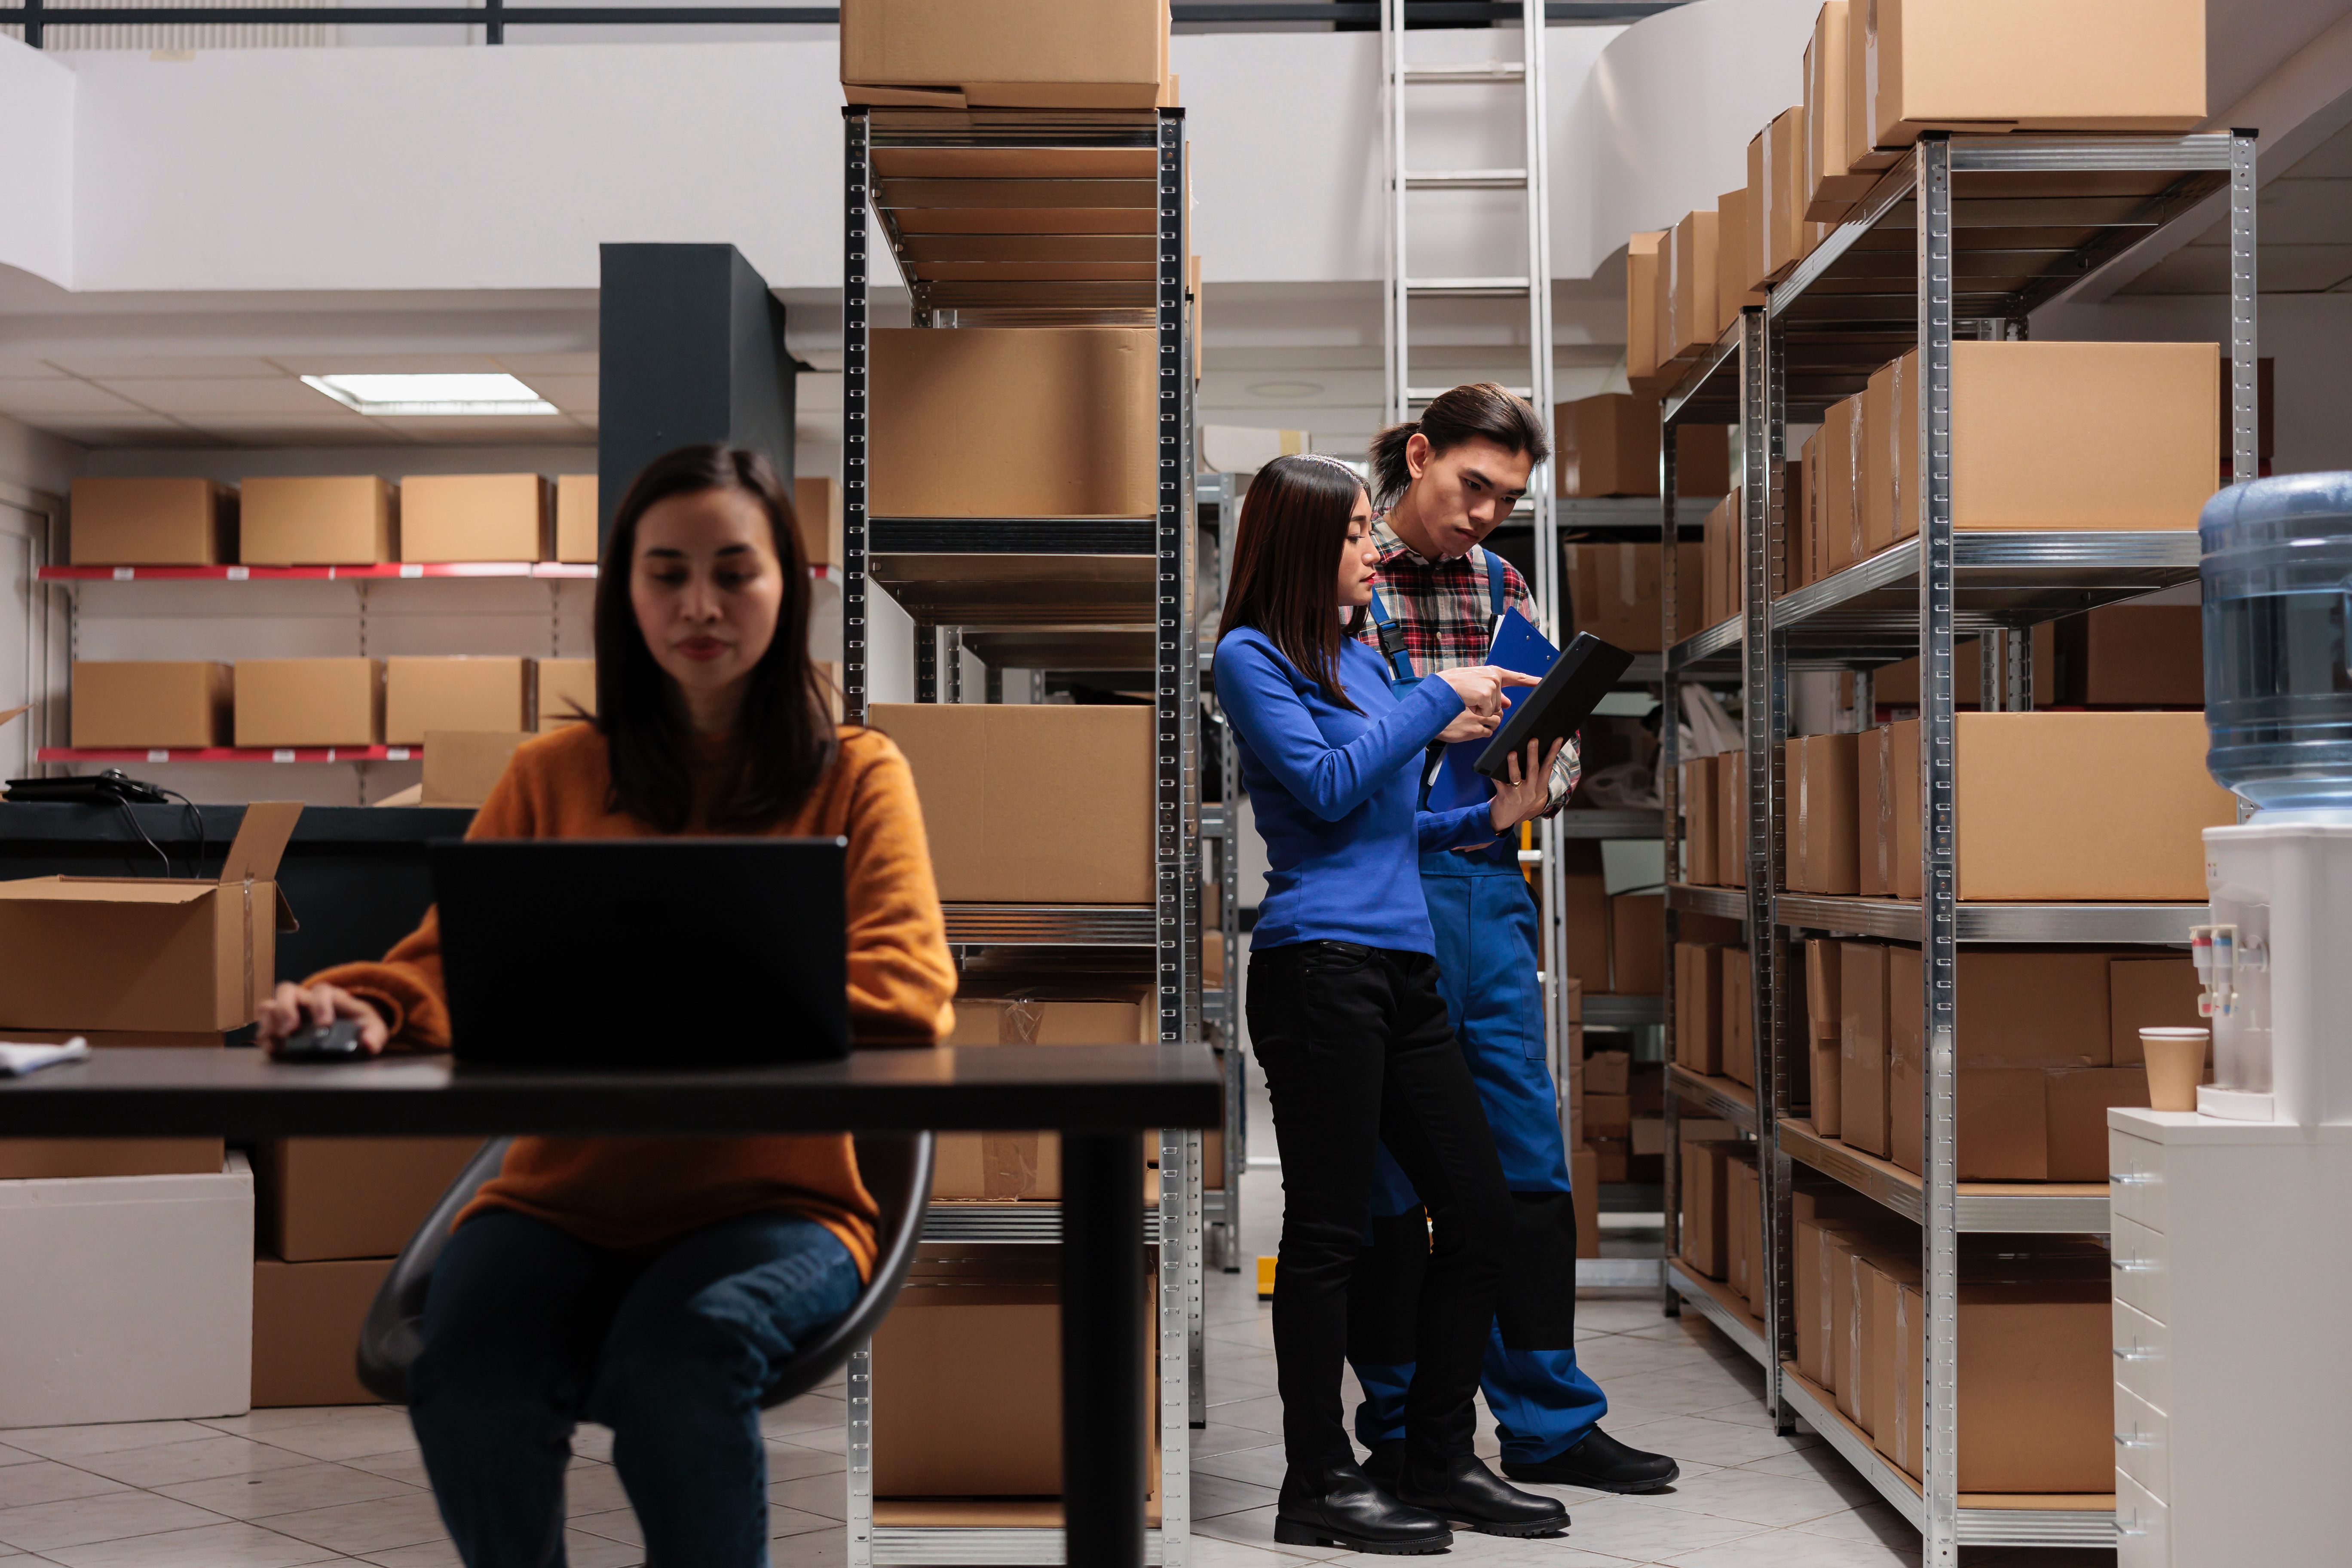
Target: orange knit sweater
(638, 1193)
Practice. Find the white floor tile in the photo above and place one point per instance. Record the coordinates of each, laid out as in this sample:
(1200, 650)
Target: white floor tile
(211, 1546)
(1213, 1495)
(789, 1461)
(46, 1481)
(1796, 1549)
(328, 1432)
(824, 1496)
(198, 1460)
(41, 1526)
(1259, 1466)
(358, 1527)
(1750, 1498)
(293, 1490)
(103, 1438)
(1709, 1442)
(1616, 1529)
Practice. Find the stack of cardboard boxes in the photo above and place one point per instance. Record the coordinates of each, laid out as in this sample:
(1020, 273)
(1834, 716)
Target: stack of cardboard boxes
(122, 1224)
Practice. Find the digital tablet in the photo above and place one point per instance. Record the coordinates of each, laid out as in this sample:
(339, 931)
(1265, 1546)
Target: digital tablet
(1587, 670)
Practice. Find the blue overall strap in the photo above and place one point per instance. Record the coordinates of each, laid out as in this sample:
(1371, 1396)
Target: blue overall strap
(1498, 585)
(1392, 646)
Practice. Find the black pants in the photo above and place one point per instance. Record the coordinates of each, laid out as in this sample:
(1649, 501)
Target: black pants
(1357, 1052)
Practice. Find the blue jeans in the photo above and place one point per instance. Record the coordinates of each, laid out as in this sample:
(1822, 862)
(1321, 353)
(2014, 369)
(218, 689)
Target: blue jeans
(528, 1330)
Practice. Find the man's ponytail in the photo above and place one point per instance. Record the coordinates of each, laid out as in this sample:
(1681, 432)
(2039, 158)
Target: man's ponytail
(1479, 411)
(1391, 476)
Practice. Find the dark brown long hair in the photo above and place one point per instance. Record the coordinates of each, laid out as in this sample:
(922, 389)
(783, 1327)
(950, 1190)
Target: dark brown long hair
(1480, 411)
(1285, 562)
(784, 740)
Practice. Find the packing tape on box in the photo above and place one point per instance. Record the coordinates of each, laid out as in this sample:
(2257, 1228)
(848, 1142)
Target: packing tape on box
(1894, 417)
(248, 947)
(1853, 484)
(1009, 1161)
(1628, 590)
(1016, 1020)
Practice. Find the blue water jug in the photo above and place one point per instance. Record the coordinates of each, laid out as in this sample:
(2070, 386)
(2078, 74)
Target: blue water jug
(2276, 562)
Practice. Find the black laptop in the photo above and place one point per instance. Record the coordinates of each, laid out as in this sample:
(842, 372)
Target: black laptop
(644, 953)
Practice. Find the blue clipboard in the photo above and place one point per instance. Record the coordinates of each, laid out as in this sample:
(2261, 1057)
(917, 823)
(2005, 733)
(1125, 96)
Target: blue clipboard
(1517, 645)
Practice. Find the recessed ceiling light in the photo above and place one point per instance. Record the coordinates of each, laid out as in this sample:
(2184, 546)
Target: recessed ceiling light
(1284, 389)
(453, 394)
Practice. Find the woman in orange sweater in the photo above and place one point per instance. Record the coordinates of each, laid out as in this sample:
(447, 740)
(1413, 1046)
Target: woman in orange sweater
(652, 1285)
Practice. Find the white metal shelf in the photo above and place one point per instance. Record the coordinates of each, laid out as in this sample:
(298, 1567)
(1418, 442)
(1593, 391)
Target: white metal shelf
(1711, 650)
(1579, 824)
(1710, 1298)
(1609, 1011)
(1997, 1208)
(1691, 899)
(1720, 1098)
(1904, 919)
(982, 1546)
(1049, 925)
(1012, 1224)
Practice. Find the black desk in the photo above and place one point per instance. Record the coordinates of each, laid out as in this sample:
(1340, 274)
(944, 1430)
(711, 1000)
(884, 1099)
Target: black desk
(1100, 1098)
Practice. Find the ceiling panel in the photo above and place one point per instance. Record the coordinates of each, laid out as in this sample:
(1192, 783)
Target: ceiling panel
(2304, 211)
(381, 363)
(29, 397)
(27, 370)
(124, 430)
(280, 394)
(494, 430)
(548, 364)
(290, 430)
(573, 393)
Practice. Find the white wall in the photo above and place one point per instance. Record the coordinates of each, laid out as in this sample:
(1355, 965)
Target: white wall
(36, 183)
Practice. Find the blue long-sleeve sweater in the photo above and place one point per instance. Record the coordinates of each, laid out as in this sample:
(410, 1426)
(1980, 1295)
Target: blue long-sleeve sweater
(1333, 792)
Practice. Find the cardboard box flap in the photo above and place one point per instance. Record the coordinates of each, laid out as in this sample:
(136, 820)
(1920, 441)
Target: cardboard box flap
(260, 840)
(106, 889)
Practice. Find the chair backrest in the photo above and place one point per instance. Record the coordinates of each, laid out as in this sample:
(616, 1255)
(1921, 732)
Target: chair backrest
(896, 1167)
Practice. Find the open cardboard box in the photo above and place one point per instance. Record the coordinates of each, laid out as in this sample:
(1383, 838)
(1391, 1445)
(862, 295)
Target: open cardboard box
(149, 952)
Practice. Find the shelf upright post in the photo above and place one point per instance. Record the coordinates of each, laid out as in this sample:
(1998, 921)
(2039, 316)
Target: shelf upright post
(1764, 717)
(1229, 918)
(926, 662)
(855, 175)
(2244, 454)
(856, 172)
(1670, 826)
(1940, 1476)
(1176, 835)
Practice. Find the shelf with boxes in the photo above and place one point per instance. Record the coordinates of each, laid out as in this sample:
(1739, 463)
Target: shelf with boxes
(1017, 479)
(382, 570)
(1975, 488)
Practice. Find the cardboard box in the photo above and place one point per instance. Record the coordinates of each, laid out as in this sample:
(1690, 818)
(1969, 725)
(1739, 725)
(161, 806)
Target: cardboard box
(1637, 944)
(305, 1322)
(1744, 1225)
(1698, 1007)
(2149, 992)
(1839, 1243)
(2035, 1398)
(1880, 491)
(1607, 445)
(2132, 656)
(1732, 293)
(1608, 1115)
(1013, 422)
(1879, 1319)
(2080, 436)
(464, 693)
(1784, 146)
(1010, 53)
(1830, 188)
(1731, 819)
(565, 691)
(1700, 816)
(1874, 813)
(974, 1343)
(1004, 825)
(151, 703)
(1738, 1029)
(128, 1299)
(462, 765)
(1584, 913)
(1824, 1002)
(2030, 1008)
(2067, 806)
(1691, 269)
(148, 953)
(1605, 1072)
(152, 522)
(1827, 846)
(1838, 517)
(1716, 598)
(1802, 515)
(816, 505)
(575, 518)
(1641, 328)
(340, 521)
(1862, 1047)
(2096, 65)
(1584, 1186)
(1702, 466)
(61, 1159)
(1612, 591)
(1706, 1217)
(309, 702)
(1809, 1301)
(476, 517)
(1012, 1165)
(2078, 1100)
(325, 1198)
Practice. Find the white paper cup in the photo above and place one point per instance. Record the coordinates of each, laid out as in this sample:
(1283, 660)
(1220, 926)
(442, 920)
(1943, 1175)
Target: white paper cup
(2176, 1064)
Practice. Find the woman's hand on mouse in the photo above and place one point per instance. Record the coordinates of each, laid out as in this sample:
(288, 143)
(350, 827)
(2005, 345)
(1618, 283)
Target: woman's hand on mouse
(297, 1007)
(1528, 790)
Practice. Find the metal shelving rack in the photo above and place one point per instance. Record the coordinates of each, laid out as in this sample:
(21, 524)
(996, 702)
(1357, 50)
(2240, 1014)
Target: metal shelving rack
(1036, 593)
(1963, 236)
(1220, 509)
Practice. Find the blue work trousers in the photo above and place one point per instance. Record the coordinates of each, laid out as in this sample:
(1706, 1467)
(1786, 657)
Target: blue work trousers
(529, 1330)
(1485, 920)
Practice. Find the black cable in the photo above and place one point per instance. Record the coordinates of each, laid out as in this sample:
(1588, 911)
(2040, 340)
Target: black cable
(133, 818)
(197, 812)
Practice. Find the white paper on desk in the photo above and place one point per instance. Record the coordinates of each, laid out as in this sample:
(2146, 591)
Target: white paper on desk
(15, 1061)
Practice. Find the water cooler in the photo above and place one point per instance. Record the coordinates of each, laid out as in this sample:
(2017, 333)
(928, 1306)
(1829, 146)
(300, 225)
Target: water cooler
(2234, 1268)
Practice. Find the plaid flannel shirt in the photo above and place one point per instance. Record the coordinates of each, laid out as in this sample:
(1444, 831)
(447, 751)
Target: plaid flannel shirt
(1443, 608)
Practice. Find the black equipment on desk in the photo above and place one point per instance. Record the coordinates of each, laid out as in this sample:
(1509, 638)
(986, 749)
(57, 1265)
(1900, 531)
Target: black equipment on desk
(645, 952)
(1586, 671)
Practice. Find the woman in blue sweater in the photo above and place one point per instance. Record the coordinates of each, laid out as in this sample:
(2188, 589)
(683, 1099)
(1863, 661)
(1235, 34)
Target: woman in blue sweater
(1345, 1013)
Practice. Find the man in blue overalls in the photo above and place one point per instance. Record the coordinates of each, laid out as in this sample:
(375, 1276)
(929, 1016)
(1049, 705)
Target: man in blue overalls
(1447, 479)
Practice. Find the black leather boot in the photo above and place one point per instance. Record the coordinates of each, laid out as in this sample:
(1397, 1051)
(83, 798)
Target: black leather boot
(1385, 1463)
(1340, 1507)
(1601, 1462)
(1467, 1492)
